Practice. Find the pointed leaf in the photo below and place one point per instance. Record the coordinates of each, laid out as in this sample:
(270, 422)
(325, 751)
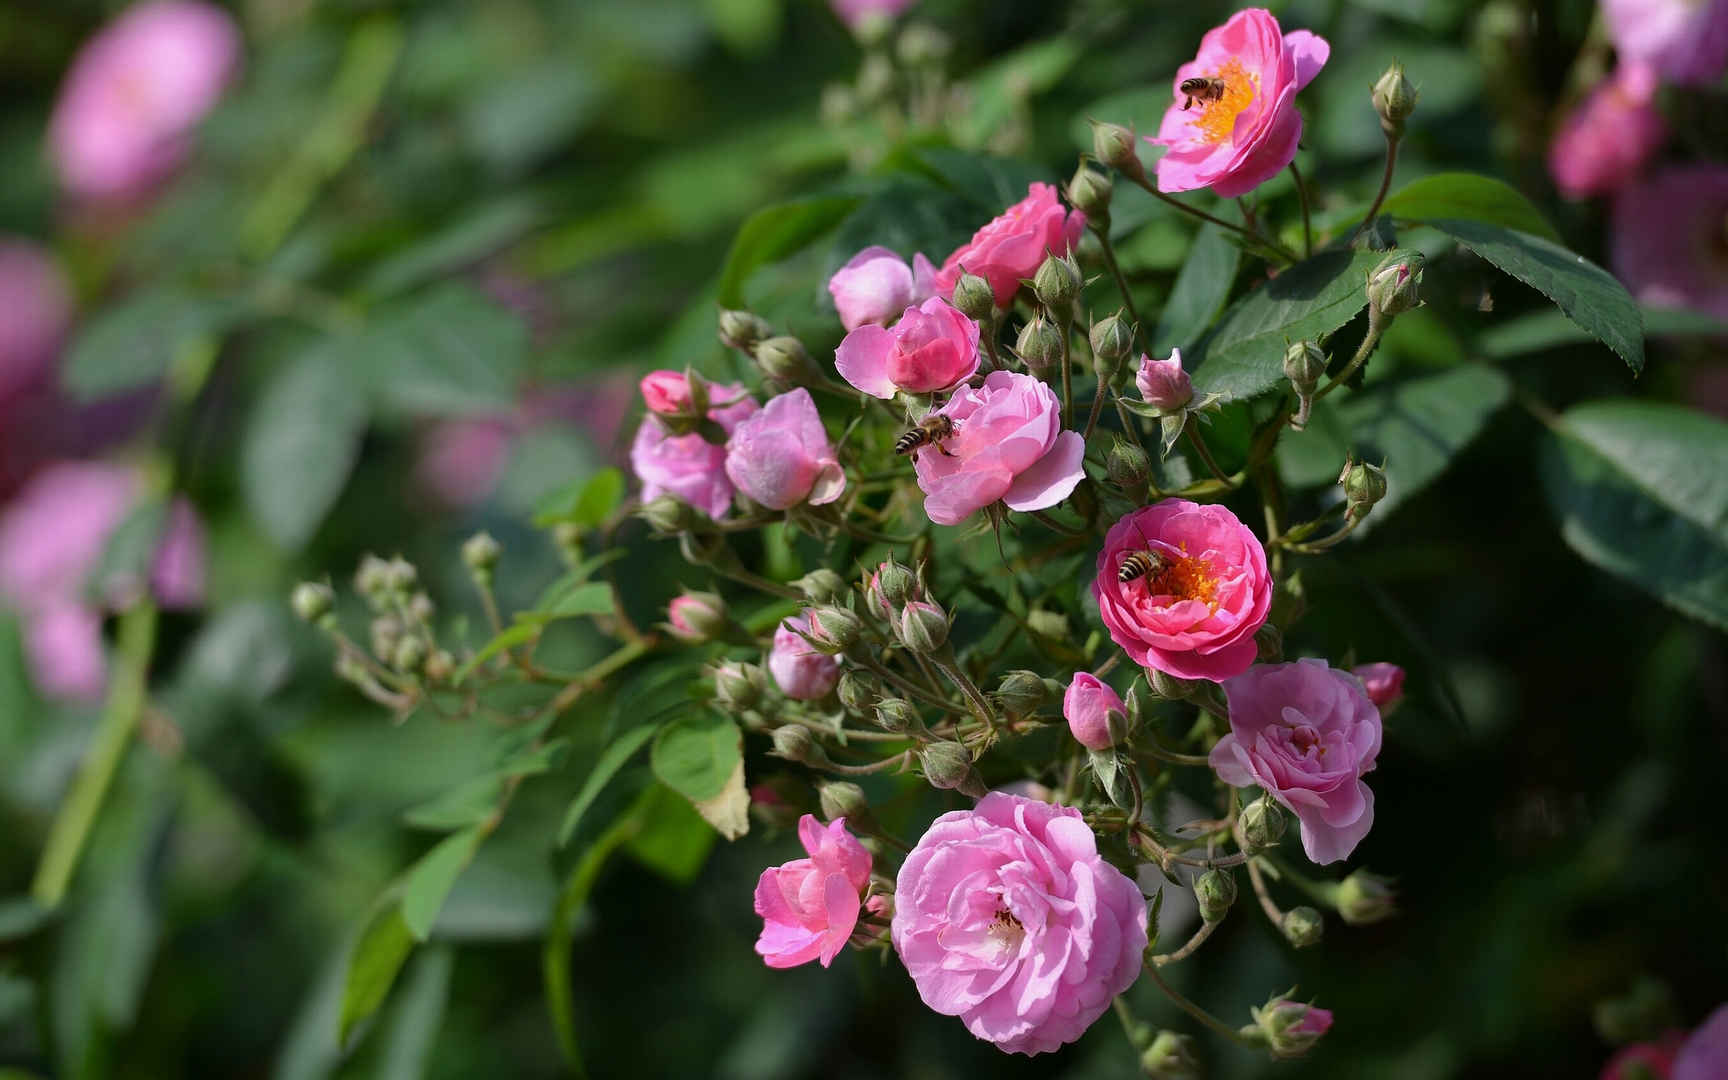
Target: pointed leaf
(432, 878)
(1468, 197)
(379, 954)
(728, 811)
(613, 758)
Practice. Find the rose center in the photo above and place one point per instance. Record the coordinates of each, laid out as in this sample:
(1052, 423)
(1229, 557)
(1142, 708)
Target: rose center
(1185, 578)
(1216, 122)
(1304, 739)
(1006, 930)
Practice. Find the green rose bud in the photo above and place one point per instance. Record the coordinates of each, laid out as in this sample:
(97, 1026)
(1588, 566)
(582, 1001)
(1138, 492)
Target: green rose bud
(312, 600)
(1365, 898)
(1303, 926)
(974, 297)
(1040, 344)
(1215, 891)
(1057, 283)
(1394, 100)
(1263, 823)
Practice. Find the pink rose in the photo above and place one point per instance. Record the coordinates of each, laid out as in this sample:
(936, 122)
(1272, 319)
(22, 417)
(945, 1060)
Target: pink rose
(1643, 1061)
(1686, 41)
(688, 466)
(781, 456)
(1007, 917)
(1248, 133)
(801, 672)
(666, 393)
(135, 92)
(461, 461)
(696, 616)
(1655, 245)
(1095, 713)
(1194, 616)
(1163, 382)
(1008, 444)
(38, 306)
(1383, 682)
(809, 906)
(876, 285)
(1306, 732)
(1602, 145)
(1011, 247)
(856, 12)
(1704, 1054)
(932, 348)
(63, 642)
(1291, 1028)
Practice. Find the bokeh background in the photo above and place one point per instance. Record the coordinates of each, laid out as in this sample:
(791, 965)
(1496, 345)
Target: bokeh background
(552, 186)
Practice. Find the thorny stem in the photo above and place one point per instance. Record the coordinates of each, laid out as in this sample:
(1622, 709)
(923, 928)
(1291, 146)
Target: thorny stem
(1195, 211)
(1385, 185)
(949, 667)
(1097, 408)
(1188, 946)
(1302, 196)
(1377, 324)
(1067, 326)
(903, 685)
(864, 770)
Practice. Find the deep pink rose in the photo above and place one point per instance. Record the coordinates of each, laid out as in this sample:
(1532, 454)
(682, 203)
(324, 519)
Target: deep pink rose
(801, 672)
(1194, 616)
(932, 348)
(1008, 444)
(1603, 144)
(1704, 1054)
(1654, 1060)
(1249, 133)
(135, 92)
(688, 466)
(1092, 709)
(876, 285)
(1006, 916)
(1658, 238)
(38, 306)
(666, 393)
(781, 456)
(1012, 246)
(1383, 682)
(856, 12)
(1306, 732)
(809, 906)
(1163, 382)
(1686, 41)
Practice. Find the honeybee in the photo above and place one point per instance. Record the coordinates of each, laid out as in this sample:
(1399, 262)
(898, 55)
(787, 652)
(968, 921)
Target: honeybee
(1201, 90)
(1142, 563)
(929, 431)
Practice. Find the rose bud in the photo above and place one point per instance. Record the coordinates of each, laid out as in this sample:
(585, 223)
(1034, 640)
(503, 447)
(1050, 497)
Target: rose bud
(1263, 823)
(784, 359)
(801, 672)
(1113, 145)
(1291, 1028)
(876, 285)
(1057, 283)
(670, 394)
(858, 691)
(923, 627)
(821, 586)
(794, 742)
(833, 630)
(1364, 485)
(897, 715)
(312, 600)
(1096, 716)
(1128, 466)
(1089, 192)
(1364, 898)
(738, 686)
(843, 801)
(1383, 682)
(947, 765)
(1010, 248)
(1304, 364)
(1021, 692)
(1171, 1057)
(933, 348)
(894, 584)
(1039, 344)
(697, 617)
(1215, 891)
(1303, 926)
(741, 330)
(1393, 286)
(809, 906)
(1163, 383)
(1111, 338)
(973, 296)
(1394, 100)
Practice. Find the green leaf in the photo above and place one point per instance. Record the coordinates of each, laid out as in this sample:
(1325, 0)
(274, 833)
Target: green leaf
(775, 232)
(1199, 293)
(468, 803)
(578, 576)
(998, 90)
(416, 1018)
(136, 342)
(508, 638)
(613, 758)
(1468, 197)
(1641, 490)
(674, 840)
(729, 810)
(1245, 354)
(1586, 293)
(990, 184)
(695, 754)
(301, 444)
(1541, 330)
(21, 916)
(383, 947)
(592, 598)
(587, 502)
(484, 230)
(449, 351)
(432, 878)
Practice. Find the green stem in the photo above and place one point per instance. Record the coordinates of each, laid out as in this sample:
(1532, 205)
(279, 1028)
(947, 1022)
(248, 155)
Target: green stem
(78, 812)
(1385, 186)
(949, 667)
(1196, 1011)
(1066, 325)
(1103, 235)
(1302, 196)
(1377, 324)
(1192, 430)
(1210, 219)
(1188, 946)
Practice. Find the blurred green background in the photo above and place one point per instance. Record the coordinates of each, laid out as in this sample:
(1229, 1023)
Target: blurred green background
(561, 180)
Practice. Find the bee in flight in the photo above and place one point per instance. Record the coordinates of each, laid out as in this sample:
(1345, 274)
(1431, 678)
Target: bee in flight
(929, 431)
(1201, 90)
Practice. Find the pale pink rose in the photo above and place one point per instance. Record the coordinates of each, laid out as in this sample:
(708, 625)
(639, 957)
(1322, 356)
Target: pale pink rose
(856, 12)
(1644, 1061)
(1008, 444)
(1704, 1054)
(781, 456)
(1011, 247)
(932, 348)
(1249, 134)
(1195, 615)
(666, 393)
(37, 303)
(1163, 382)
(177, 572)
(695, 617)
(1306, 732)
(1658, 243)
(688, 466)
(1383, 682)
(809, 906)
(1007, 917)
(876, 285)
(461, 461)
(135, 92)
(1686, 41)
(63, 642)
(1603, 144)
(801, 673)
(1092, 709)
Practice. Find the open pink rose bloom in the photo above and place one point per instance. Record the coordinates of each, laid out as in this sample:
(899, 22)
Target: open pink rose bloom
(1008, 444)
(802, 673)
(932, 348)
(688, 466)
(876, 285)
(781, 455)
(1604, 143)
(1247, 131)
(1006, 916)
(1010, 248)
(809, 906)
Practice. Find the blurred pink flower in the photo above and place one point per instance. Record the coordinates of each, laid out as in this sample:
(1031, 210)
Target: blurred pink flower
(1195, 614)
(135, 92)
(809, 906)
(1248, 133)
(1602, 144)
(37, 303)
(461, 461)
(1704, 1054)
(1008, 444)
(876, 285)
(781, 455)
(855, 12)
(1383, 682)
(1007, 917)
(801, 673)
(63, 643)
(1669, 239)
(1305, 732)
(688, 466)
(1092, 708)
(1012, 246)
(1163, 382)
(932, 348)
(1686, 41)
